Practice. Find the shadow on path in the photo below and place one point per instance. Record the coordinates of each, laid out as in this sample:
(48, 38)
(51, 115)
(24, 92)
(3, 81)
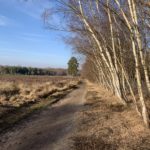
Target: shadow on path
(49, 130)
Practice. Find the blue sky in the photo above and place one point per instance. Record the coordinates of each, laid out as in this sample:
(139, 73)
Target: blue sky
(25, 41)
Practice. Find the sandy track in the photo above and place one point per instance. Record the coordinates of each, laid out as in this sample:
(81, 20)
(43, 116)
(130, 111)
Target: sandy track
(49, 129)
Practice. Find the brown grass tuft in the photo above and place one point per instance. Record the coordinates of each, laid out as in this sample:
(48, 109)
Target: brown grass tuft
(19, 92)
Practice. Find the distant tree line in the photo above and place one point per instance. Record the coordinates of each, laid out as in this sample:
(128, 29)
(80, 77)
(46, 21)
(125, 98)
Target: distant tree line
(32, 71)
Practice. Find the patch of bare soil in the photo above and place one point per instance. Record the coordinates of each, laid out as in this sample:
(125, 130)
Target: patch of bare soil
(105, 124)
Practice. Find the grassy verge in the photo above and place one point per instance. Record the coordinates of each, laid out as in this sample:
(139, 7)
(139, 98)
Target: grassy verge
(105, 124)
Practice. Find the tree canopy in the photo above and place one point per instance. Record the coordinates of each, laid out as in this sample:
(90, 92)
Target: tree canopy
(73, 66)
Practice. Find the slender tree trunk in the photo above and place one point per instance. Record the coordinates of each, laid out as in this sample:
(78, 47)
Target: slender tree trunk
(137, 34)
(113, 72)
(136, 58)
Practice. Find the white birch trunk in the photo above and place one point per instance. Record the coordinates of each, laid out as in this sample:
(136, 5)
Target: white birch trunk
(136, 58)
(113, 72)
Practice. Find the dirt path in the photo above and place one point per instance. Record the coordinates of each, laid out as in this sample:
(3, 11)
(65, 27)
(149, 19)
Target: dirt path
(48, 130)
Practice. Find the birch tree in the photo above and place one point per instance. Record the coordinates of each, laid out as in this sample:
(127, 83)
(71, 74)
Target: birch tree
(112, 35)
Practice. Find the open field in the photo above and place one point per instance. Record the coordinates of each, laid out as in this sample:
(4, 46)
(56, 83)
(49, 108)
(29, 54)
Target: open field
(18, 90)
(21, 95)
(33, 78)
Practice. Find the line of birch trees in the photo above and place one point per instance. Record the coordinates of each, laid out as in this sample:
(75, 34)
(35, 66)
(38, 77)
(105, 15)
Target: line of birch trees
(114, 37)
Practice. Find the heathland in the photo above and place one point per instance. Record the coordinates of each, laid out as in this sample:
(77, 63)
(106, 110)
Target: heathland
(21, 95)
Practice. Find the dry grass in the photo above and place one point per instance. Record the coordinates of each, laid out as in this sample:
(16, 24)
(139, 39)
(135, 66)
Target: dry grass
(18, 99)
(33, 78)
(15, 94)
(105, 124)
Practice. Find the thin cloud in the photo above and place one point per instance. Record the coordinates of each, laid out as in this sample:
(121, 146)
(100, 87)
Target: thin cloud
(34, 37)
(30, 9)
(31, 14)
(4, 21)
(30, 39)
(34, 8)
